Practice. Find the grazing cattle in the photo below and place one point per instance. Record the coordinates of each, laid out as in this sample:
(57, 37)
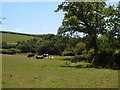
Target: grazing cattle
(49, 57)
(39, 57)
(30, 55)
(45, 55)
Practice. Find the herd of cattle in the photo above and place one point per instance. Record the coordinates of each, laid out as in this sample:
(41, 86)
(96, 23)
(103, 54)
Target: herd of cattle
(42, 57)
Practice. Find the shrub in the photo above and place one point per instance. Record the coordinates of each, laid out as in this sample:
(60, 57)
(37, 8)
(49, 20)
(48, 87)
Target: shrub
(84, 65)
(68, 53)
(14, 51)
(79, 48)
(67, 63)
(91, 55)
(78, 58)
(10, 51)
(0, 50)
(7, 46)
(116, 57)
(23, 46)
(6, 51)
(104, 58)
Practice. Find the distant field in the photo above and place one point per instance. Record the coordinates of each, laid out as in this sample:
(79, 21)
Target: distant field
(22, 72)
(14, 38)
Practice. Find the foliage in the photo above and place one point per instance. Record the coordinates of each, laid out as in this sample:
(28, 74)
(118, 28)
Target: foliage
(68, 52)
(93, 19)
(91, 54)
(104, 59)
(23, 47)
(5, 45)
(47, 47)
(84, 65)
(79, 58)
(106, 54)
(86, 17)
(79, 48)
(116, 57)
(49, 43)
(10, 51)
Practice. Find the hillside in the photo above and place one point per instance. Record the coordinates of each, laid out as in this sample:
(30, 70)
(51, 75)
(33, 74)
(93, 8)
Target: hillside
(13, 37)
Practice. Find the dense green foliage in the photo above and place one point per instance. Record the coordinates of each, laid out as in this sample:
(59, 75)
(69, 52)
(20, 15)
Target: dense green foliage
(100, 24)
(5, 45)
(51, 44)
(10, 51)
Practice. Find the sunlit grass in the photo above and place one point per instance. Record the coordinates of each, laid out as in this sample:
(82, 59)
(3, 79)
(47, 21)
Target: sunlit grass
(14, 38)
(22, 72)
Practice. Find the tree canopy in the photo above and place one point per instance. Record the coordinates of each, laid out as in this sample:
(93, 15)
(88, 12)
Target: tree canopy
(91, 18)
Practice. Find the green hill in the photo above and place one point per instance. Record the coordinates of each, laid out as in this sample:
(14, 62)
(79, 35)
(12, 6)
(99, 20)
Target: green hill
(12, 37)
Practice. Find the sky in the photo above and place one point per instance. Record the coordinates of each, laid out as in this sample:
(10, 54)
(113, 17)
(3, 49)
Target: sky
(31, 17)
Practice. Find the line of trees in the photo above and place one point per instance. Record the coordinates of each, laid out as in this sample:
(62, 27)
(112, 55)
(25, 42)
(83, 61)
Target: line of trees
(51, 44)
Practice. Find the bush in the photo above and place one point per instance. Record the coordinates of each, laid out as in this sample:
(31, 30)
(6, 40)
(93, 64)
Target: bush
(0, 50)
(78, 58)
(104, 58)
(84, 65)
(91, 55)
(10, 51)
(79, 48)
(23, 46)
(68, 63)
(116, 57)
(7, 46)
(14, 51)
(68, 53)
(6, 51)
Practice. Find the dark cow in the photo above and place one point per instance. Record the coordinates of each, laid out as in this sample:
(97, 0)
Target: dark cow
(39, 57)
(45, 55)
(30, 55)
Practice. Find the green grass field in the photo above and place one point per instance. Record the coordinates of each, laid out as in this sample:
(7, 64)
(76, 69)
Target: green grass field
(22, 72)
(14, 38)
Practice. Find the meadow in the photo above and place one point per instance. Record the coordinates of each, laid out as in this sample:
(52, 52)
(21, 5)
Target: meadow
(14, 38)
(22, 72)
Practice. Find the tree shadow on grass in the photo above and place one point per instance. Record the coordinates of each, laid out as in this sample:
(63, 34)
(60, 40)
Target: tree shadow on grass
(77, 66)
(97, 67)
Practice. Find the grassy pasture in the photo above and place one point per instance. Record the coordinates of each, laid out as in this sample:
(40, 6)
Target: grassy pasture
(22, 72)
(14, 38)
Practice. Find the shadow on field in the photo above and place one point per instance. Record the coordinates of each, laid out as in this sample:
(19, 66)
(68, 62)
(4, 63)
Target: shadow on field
(75, 59)
(72, 62)
(80, 66)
